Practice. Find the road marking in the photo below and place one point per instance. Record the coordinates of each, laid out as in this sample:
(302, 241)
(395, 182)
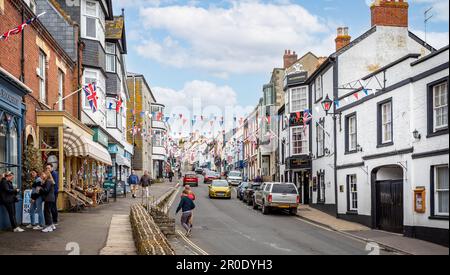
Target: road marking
(193, 245)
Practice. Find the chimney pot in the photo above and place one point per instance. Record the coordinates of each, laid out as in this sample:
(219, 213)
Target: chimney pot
(343, 38)
(393, 13)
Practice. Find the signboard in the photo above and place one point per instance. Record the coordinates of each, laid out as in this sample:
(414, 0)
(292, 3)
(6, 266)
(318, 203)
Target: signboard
(26, 218)
(113, 148)
(100, 137)
(299, 163)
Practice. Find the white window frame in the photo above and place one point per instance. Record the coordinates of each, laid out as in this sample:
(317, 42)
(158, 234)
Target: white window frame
(111, 65)
(353, 192)
(91, 16)
(321, 139)
(318, 91)
(440, 106)
(42, 76)
(304, 140)
(111, 113)
(437, 190)
(60, 89)
(386, 123)
(100, 85)
(352, 133)
(296, 100)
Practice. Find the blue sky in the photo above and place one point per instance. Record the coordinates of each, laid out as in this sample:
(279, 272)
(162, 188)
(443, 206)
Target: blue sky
(223, 51)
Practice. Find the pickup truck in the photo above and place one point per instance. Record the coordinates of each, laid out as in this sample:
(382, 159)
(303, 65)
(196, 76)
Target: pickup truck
(274, 195)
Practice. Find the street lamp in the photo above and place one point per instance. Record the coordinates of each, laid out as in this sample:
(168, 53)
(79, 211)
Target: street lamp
(327, 103)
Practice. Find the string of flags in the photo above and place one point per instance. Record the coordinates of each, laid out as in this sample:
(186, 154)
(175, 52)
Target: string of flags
(19, 28)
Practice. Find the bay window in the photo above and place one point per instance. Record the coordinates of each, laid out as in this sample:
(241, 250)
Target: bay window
(299, 99)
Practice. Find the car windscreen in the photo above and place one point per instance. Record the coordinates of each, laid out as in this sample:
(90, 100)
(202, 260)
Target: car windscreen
(234, 174)
(284, 189)
(255, 186)
(244, 185)
(220, 183)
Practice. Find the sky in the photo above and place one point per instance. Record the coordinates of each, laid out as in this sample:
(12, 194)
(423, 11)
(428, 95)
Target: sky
(222, 52)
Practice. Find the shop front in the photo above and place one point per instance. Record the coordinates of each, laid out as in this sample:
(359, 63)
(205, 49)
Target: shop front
(12, 111)
(299, 172)
(80, 160)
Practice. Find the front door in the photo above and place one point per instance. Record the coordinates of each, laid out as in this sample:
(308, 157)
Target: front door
(305, 189)
(389, 205)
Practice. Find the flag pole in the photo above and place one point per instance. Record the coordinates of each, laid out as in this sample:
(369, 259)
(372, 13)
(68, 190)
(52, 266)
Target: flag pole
(61, 99)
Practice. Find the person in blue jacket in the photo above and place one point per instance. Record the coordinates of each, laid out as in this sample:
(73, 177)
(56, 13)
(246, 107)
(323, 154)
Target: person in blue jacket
(133, 181)
(187, 205)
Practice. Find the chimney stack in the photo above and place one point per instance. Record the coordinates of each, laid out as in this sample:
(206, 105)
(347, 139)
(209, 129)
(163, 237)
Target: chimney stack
(393, 13)
(289, 58)
(343, 38)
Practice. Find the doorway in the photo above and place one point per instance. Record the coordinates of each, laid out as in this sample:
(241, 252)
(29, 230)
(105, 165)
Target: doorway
(388, 195)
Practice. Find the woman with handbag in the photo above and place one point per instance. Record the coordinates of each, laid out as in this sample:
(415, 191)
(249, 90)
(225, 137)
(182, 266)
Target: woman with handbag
(36, 202)
(48, 194)
(8, 198)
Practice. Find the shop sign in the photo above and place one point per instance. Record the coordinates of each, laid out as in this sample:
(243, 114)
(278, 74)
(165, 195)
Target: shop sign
(10, 99)
(113, 148)
(298, 78)
(100, 137)
(299, 163)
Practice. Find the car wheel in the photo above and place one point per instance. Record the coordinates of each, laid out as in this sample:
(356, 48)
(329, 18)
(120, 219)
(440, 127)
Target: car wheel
(293, 211)
(265, 209)
(255, 206)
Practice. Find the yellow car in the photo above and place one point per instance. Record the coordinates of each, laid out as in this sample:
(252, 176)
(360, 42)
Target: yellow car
(219, 189)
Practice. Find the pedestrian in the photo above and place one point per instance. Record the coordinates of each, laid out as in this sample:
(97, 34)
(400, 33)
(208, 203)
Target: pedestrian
(54, 205)
(171, 175)
(8, 198)
(48, 194)
(146, 182)
(187, 206)
(36, 202)
(133, 181)
(190, 195)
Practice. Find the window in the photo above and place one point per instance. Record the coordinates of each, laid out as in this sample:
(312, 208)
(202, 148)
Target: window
(61, 89)
(385, 125)
(441, 179)
(269, 97)
(440, 106)
(89, 78)
(299, 141)
(42, 77)
(111, 57)
(351, 134)
(352, 189)
(33, 5)
(321, 187)
(299, 99)
(318, 89)
(320, 132)
(91, 19)
(157, 138)
(111, 114)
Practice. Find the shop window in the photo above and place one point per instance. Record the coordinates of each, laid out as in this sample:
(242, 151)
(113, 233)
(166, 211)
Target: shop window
(9, 141)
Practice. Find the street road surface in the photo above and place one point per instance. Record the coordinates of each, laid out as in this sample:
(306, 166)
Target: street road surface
(230, 227)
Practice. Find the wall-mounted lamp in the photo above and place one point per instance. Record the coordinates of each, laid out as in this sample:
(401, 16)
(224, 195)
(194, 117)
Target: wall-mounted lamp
(359, 148)
(416, 134)
(326, 151)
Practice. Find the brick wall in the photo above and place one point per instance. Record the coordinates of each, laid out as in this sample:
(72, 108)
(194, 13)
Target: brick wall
(36, 39)
(390, 13)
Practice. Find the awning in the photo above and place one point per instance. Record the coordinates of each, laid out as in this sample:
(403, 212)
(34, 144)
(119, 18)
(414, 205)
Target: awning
(81, 146)
(123, 161)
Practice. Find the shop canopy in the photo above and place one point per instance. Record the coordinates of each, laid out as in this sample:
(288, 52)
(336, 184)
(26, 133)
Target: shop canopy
(122, 161)
(76, 145)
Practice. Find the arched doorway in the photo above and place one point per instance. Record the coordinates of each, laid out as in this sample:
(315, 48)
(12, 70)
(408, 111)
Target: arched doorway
(387, 198)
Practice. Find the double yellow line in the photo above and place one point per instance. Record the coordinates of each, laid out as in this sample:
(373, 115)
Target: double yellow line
(193, 245)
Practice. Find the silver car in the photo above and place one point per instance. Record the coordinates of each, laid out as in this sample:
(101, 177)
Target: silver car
(234, 178)
(275, 195)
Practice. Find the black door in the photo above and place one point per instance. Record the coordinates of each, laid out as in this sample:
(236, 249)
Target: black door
(390, 206)
(305, 189)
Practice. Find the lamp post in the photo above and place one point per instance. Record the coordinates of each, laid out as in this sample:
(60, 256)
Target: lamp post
(327, 104)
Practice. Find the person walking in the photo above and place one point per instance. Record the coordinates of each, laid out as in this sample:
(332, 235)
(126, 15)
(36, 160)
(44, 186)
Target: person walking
(36, 203)
(187, 206)
(133, 181)
(146, 182)
(48, 194)
(171, 175)
(54, 205)
(8, 198)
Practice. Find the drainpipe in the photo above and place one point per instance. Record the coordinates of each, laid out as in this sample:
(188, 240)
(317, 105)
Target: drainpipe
(22, 54)
(336, 94)
(80, 46)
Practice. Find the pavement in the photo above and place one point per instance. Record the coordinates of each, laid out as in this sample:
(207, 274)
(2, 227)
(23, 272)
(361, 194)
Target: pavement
(229, 227)
(84, 233)
(387, 240)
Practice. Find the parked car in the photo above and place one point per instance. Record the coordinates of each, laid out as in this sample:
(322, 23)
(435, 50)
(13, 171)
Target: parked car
(210, 176)
(276, 196)
(199, 171)
(219, 189)
(234, 178)
(247, 196)
(190, 179)
(240, 190)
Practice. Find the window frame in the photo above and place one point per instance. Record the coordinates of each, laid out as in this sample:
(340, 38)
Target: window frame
(434, 197)
(321, 193)
(112, 55)
(348, 149)
(432, 131)
(61, 78)
(318, 80)
(291, 93)
(42, 76)
(96, 18)
(305, 135)
(381, 142)
(350, 192)
(320, 131)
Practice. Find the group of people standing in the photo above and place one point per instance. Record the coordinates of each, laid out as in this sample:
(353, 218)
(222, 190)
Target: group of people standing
(44, 196)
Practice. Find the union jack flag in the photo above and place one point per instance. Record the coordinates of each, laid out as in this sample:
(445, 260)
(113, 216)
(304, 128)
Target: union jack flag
(19, 28)
(307, 117)
(91, 95)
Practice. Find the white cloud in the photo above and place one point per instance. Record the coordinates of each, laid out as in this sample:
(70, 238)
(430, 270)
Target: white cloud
(435, 39)
(247, 37)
